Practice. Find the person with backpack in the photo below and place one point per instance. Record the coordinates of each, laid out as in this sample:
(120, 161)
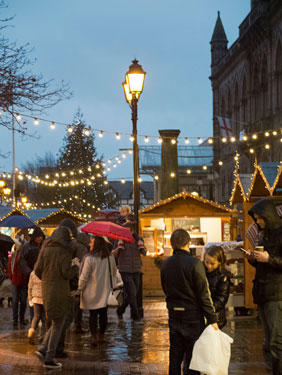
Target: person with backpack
(19, 282)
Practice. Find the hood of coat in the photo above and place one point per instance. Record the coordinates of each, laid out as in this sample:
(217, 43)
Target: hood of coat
(83, 239)
(266, 209)
(61, 236)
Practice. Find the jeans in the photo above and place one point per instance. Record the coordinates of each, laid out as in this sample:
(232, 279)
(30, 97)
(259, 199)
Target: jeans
(67, 322)
(271, 314)
(131, 283)
(51, 339)
(103, 320)
(19, 297)
(184, 330)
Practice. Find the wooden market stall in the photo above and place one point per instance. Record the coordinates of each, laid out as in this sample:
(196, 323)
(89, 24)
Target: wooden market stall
(265, 183)
(49, 218)
(205, 220)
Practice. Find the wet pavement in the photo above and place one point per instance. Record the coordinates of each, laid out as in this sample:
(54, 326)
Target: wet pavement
(130, 348)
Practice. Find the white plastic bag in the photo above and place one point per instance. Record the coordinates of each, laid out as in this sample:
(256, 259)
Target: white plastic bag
(211, 352)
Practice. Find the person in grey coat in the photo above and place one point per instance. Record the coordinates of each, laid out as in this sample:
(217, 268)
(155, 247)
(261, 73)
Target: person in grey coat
(54, 268)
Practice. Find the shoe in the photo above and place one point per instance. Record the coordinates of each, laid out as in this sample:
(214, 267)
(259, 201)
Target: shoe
(40, 355)
(52, 364)
(138, 321)
(94, 339)
(101, 339)
(61, 355)
(120, 316)
(30, 336)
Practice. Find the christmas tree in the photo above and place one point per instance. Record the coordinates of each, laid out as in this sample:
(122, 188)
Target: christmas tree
(81, 182)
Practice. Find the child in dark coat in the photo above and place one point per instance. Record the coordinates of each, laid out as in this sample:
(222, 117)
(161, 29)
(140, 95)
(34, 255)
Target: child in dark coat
(219, 281)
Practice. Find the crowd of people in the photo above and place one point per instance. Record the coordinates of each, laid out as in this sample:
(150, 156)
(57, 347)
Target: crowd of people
(70, 272)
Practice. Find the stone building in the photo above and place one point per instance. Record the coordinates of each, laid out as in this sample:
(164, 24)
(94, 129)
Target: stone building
(246, 81)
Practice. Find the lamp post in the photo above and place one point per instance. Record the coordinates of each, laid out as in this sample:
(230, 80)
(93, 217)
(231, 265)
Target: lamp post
(133, 87)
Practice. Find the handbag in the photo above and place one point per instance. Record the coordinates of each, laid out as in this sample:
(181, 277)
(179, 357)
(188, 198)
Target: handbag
(112, 300)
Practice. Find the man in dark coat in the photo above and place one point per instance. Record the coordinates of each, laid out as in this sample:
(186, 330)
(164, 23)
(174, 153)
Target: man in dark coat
(188, 301)
(54, 268)
(267, 287)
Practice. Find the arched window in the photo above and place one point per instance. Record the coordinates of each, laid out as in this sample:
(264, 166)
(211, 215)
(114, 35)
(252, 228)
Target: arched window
(244, 102)
(236, 113)
(255, 95)
(278, 76)
(264, 88)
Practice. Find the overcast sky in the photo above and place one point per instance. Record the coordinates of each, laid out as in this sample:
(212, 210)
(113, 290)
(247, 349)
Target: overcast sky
(91, 43)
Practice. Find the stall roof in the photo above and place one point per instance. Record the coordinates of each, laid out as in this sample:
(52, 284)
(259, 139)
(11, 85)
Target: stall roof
(241, 187)
(52, 216)
(260, 185)
(277, 185)
(185, 204)
(8, 211)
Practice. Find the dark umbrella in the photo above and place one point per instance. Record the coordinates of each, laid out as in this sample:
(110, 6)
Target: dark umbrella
(6, 243)
(17, 221)
(106, 228)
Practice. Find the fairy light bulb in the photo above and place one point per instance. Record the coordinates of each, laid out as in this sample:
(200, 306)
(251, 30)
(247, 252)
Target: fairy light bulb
(233, 139)
(254, 136)
(87, 132)
(70, 129)
(224, 140)
(18, 117)
(156, 177)
(200, 141)
(274, 133)
(267, 134)
(139, 179)
(205, 167)
(245, 138)
(53, 126)
(173, 141)
(146, 139)
(160, 140)
(101, 134)
(122, 181)
(267, 146)
(36, 121)
(131, 138)
(172, 174)
(220, 162)
(187, 141)
(252, 150)
(210, 141)
(130, 152)
(117, 136)
(123, 155)
(188, 171)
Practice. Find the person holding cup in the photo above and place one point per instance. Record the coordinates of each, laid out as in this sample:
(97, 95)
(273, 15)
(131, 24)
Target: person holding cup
(267, 287)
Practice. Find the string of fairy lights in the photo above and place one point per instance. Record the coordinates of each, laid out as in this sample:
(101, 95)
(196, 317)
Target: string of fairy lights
(256, 136)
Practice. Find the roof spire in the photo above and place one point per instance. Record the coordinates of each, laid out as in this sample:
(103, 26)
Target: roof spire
(218, 32)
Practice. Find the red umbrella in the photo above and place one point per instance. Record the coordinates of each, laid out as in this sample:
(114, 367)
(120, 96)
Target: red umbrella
(106, 228)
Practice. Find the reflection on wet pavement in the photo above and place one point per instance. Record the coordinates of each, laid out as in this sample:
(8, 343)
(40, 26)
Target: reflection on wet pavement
(129, 347)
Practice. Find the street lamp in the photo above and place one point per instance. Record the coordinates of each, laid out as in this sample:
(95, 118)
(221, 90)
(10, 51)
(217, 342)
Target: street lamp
(4, 191)
(133, 87)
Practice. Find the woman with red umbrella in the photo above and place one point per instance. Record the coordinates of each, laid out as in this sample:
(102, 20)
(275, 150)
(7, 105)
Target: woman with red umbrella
(94, 285)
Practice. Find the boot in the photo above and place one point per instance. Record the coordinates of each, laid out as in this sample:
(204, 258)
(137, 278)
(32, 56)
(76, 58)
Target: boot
(30, 336)
(94, 340)
(101, 338)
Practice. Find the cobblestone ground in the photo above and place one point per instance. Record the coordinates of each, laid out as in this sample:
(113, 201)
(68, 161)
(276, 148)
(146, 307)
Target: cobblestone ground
(130, 349)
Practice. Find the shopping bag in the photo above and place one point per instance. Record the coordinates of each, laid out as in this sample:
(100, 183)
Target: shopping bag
(118, 293)
(112, 301)
(117, 281)
(211, 352)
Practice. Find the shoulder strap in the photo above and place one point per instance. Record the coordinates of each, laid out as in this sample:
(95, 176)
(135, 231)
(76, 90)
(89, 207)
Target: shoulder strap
(111, 281)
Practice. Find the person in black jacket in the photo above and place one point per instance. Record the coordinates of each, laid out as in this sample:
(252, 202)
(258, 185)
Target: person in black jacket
(219, 281)
(188, 301)
(267, 287)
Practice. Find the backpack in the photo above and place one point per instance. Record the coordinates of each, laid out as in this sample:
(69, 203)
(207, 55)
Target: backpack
(15, 275)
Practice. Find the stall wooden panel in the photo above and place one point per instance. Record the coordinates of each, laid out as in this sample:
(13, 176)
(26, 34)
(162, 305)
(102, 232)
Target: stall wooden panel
(249, 270)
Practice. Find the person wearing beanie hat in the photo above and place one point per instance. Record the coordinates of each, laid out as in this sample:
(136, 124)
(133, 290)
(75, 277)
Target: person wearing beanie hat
(69, 223)
(29, 253)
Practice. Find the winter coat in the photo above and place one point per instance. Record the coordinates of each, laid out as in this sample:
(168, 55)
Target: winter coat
(55, 270)
(128, 255)
(184, 282)
(219, 284)
(83, 242)
(15, 275)
(268, 278)
(28, 256)
(94, 281)
(35, 289)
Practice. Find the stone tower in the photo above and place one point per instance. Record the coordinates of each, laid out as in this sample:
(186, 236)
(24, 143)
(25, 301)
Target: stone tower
(218, 43)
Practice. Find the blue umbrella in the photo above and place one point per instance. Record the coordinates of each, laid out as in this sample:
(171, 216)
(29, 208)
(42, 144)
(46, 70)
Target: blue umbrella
(17, 221)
